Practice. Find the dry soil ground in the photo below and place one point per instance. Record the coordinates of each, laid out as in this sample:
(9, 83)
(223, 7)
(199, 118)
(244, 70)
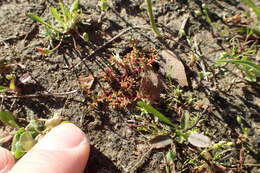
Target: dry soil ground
(116, 144)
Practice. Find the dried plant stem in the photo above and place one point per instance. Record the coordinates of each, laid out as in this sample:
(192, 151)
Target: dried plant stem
(105, 44)
(38, 95)
(152, 22)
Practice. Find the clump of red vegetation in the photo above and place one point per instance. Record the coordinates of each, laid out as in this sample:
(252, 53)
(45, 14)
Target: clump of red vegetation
(121, 80)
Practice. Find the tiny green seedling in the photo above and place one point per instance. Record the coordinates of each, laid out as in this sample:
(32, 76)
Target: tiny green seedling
(12, 86)
(67, 24)
(25, 138)
(180, 131)
(254, 29)
(103, 4)
(249, 68)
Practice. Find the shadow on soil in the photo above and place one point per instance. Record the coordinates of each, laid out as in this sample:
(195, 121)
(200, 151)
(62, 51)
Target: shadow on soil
(98, 163)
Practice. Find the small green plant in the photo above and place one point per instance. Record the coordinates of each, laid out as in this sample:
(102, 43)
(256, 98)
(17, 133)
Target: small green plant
(22, 140)
(241, 54)
(180, 132)
(12, 86)
(103, 4)
(205, 11)
(151, 16)
(252, 5)
(249, 68)
(156, 113)
(65, 25)
(211, 154)
(25, 138)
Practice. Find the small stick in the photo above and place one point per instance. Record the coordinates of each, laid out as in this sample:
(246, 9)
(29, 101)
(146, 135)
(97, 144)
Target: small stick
(140, 162)
(200, 117)
(38, 95)
(107, 43)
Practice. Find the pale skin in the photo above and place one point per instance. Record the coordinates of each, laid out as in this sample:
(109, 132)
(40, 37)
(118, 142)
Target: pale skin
(64, 149)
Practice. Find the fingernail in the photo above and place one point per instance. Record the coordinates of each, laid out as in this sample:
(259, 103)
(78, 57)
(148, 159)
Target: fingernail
(64, 136)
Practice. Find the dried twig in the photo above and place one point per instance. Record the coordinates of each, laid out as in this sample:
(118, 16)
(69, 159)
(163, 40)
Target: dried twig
(105, 44)
(200, 117)
(140, 162)
(38, 95)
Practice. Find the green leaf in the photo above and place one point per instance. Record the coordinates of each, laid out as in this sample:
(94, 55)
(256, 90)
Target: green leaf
(103, 5)
(3, 89)
(252, 5)
(156, 113)
(65, 11)
(12, 84)
(171, 156)
(74, 7)
(22, 142)
(26, 141)
(243, 62)
(85, 36)
(39, 19)
(57, 16)
(35, 127)
(16, 148)
(10, 76)
(7, 118)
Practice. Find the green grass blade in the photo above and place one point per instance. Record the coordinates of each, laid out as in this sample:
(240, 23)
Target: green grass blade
(156, 113)
(243, 62)
(3, 89)
(74, 7)
(38, 19)
(152, 21)
(103, 4)
(65, 11)
(7, 118)
(252, 5)
(56, 15)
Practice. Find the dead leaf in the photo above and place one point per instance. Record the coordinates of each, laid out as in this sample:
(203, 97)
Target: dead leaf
(86, 82)
(54, 121)
(161, 141)
(199, 140)
(152, 85)
(25, 78)
(234, 19)
(171, 66)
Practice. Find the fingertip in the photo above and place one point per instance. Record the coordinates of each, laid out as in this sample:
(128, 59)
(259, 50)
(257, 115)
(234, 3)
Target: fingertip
(64, 149)
(6, 160)
(64, 136)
